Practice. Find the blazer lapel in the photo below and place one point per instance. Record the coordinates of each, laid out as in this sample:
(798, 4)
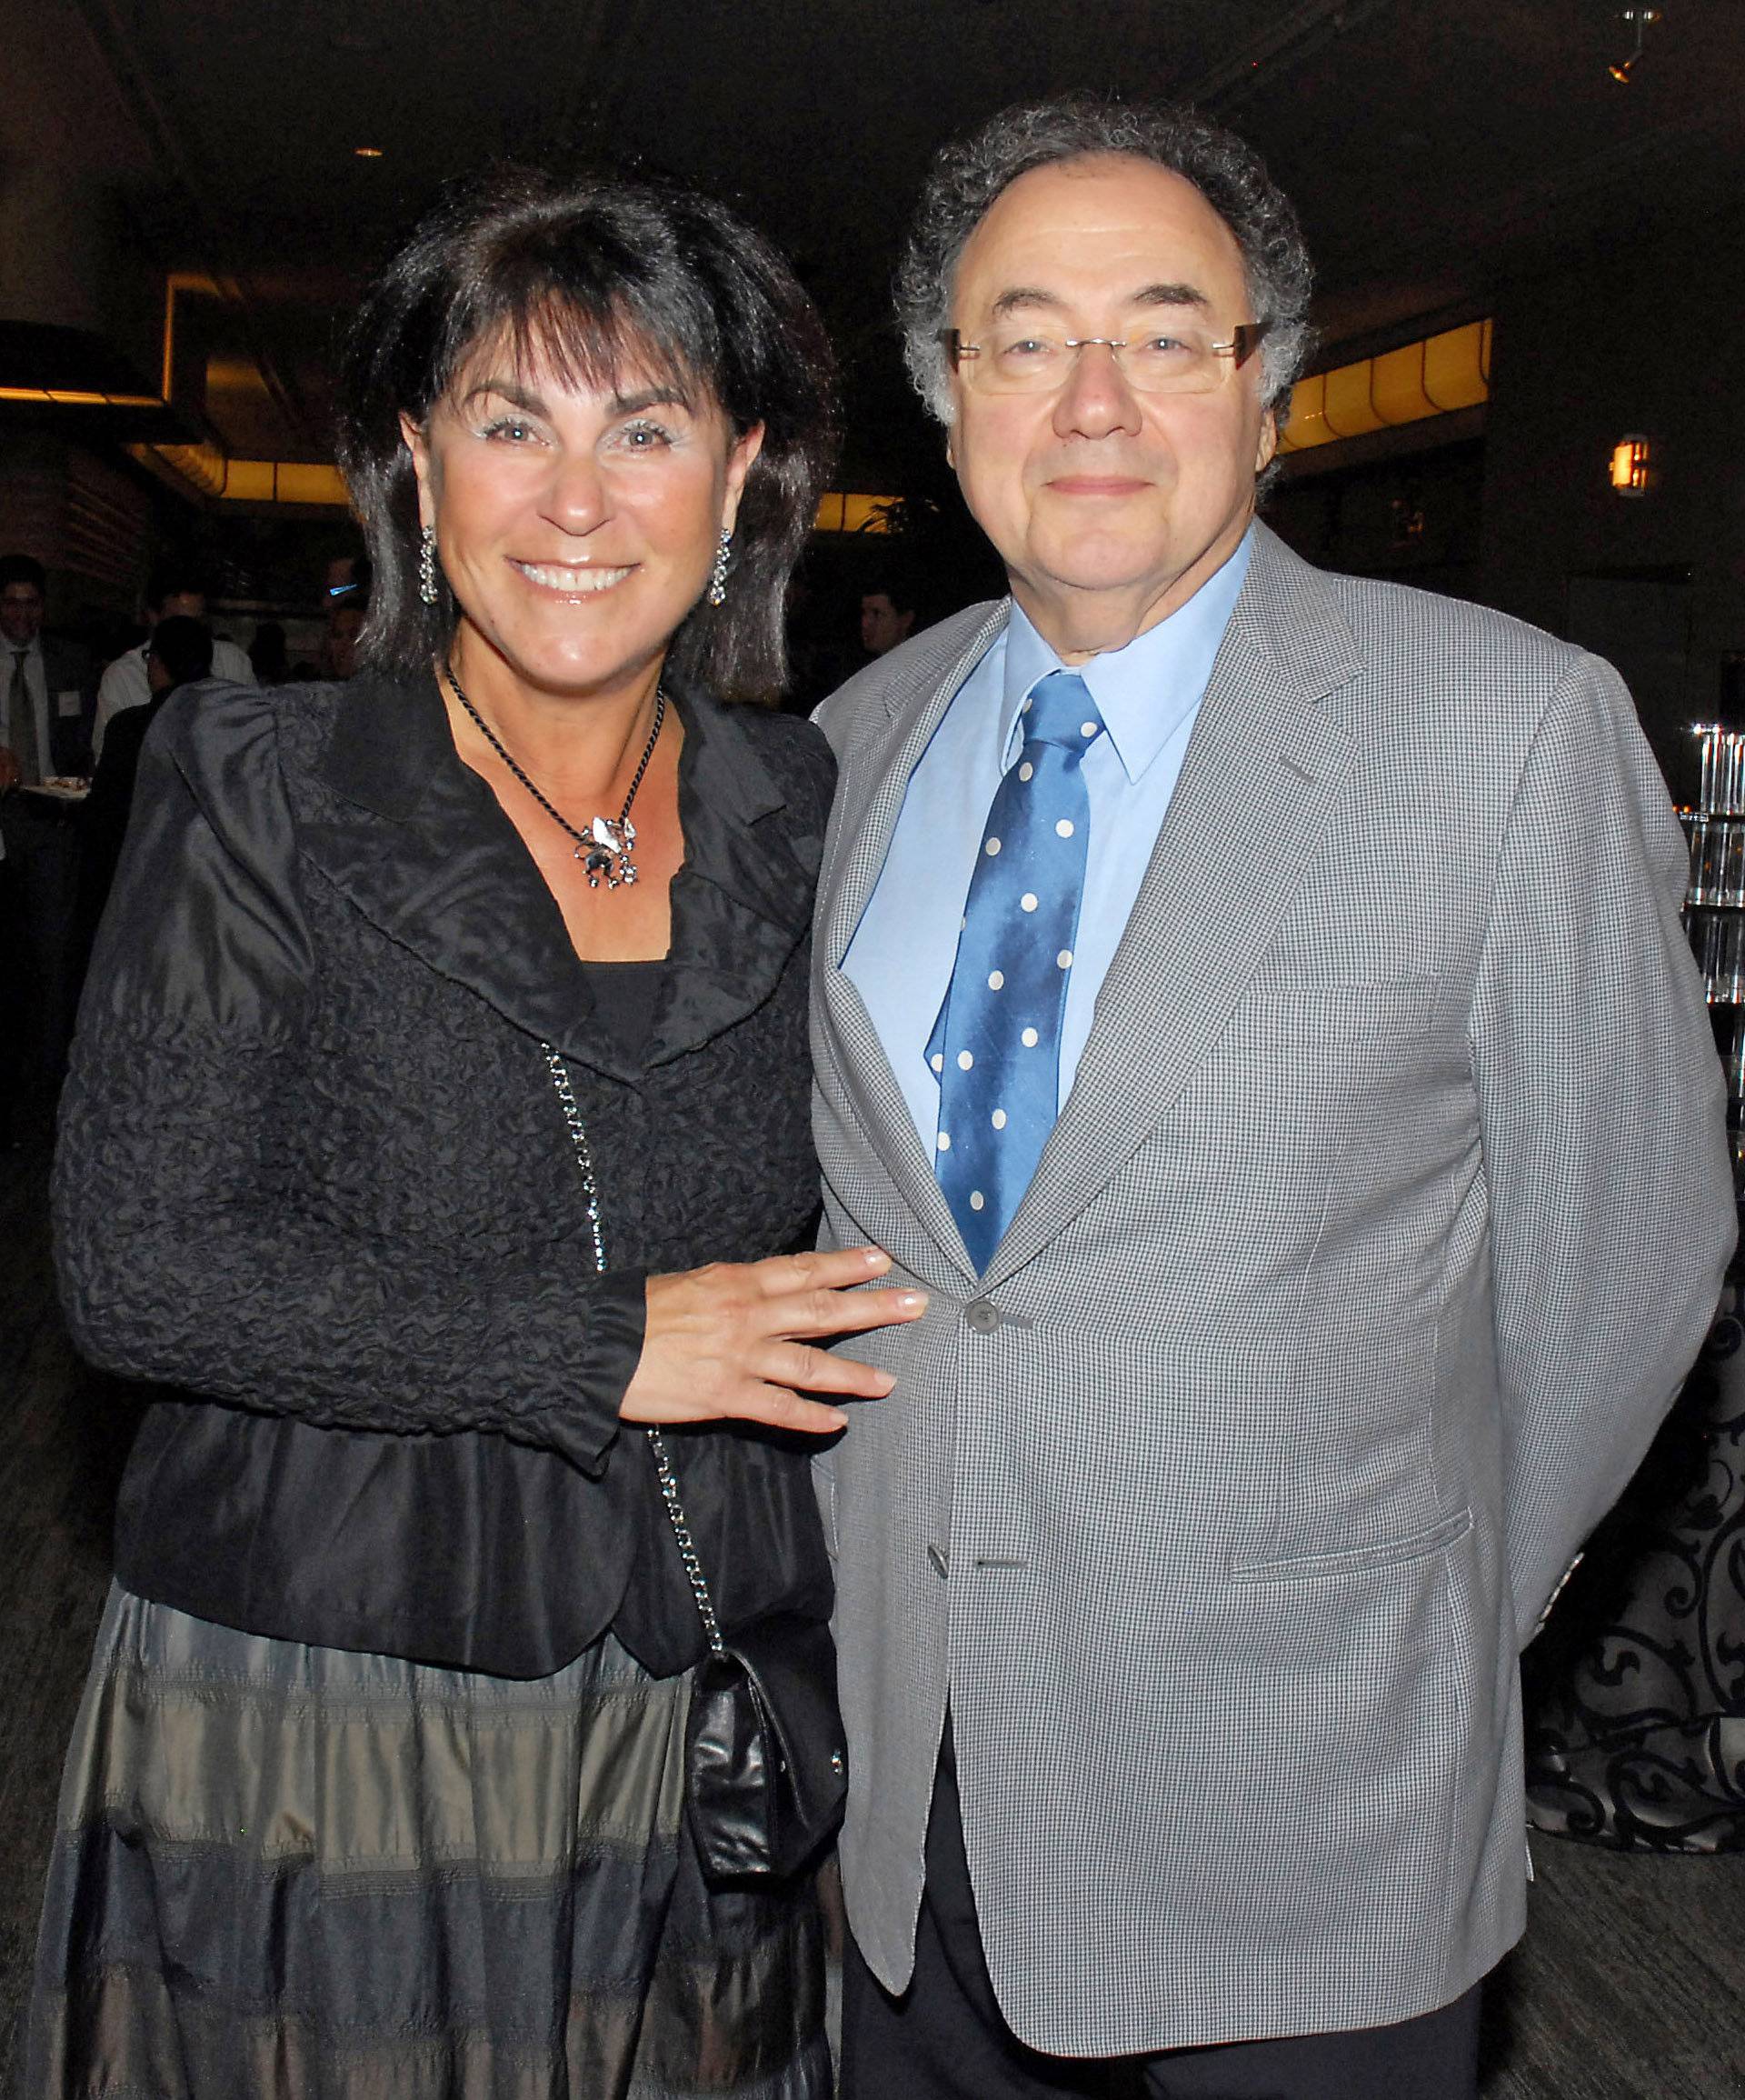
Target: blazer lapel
(421, 846)
(741, 904)
(1265, 767)
(874, 784)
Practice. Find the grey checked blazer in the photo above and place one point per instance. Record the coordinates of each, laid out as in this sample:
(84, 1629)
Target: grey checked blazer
(1387, 1209)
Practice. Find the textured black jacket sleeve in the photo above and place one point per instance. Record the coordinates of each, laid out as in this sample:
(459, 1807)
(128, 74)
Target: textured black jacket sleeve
(187, 1252)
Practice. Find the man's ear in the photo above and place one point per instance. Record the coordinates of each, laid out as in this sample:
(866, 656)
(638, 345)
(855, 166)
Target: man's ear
(1269, 443)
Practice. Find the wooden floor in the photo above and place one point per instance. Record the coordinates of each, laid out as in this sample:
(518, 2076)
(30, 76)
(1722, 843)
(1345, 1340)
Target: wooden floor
(1631, 1985)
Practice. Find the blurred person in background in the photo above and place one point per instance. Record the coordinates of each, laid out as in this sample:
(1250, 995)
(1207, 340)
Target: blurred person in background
(345, 622)
(887, 613)
(47, 685)
(179, 654)
(177, 591)
(48, 699)
(268, 656)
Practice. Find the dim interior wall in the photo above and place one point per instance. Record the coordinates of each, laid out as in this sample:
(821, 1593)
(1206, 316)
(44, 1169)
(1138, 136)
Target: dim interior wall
(1413, 517)
(86, 518)
(1639, 342)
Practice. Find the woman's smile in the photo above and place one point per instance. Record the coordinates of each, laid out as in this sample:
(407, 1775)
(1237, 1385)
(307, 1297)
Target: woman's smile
(571, 579)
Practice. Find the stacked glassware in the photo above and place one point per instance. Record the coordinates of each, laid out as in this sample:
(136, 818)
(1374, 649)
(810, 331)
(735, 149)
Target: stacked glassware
(1714, 903)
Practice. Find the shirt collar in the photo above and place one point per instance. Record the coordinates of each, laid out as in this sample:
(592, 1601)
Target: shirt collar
(1146, 691)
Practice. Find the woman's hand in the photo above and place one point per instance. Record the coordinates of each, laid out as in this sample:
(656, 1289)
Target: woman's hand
(734, 1342)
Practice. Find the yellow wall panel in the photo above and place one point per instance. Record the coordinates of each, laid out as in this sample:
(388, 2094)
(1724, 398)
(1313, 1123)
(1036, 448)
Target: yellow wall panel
(1453, 371)
(1349, 410)
(298, 483)
(249, 481)
(1306, 425)
(1398, 387)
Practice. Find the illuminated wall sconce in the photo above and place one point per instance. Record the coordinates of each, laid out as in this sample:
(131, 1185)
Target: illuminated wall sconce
(1631, 466)
(1640, 19)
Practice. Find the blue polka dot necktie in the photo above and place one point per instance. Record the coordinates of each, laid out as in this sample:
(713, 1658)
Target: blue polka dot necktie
(996, 1045)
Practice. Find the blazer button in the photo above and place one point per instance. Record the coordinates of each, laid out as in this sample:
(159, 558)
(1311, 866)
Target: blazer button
(982, 1316)
(942, 1567)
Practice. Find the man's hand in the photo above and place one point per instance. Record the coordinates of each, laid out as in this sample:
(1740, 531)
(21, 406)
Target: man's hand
(733, 1341)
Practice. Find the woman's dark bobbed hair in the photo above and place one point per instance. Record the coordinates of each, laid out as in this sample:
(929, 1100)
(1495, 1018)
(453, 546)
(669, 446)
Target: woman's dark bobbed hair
(590, 278)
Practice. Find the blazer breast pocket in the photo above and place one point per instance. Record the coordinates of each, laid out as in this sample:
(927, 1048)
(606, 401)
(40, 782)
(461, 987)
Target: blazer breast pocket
(1297, 1023)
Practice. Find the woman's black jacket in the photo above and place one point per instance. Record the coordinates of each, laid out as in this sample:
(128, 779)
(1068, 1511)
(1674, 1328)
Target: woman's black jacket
(314, 1180)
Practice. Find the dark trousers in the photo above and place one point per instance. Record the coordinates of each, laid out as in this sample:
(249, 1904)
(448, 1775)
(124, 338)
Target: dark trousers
(14, 995)
(945, 2038)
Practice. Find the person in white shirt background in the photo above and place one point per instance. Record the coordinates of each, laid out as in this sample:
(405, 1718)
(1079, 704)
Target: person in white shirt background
(175, 592)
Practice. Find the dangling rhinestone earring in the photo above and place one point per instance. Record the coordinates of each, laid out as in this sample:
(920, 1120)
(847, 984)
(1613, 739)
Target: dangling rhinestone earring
(718, 575)
(428, 566)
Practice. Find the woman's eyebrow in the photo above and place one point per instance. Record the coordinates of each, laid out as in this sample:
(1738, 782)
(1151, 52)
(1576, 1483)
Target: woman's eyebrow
(648, 397)
(507, 390)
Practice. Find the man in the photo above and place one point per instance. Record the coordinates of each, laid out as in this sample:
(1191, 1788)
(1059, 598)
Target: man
(1252, 1004)
(887, 617)
(48, 694)
(176, 592)
(46, 688)
(339, 644)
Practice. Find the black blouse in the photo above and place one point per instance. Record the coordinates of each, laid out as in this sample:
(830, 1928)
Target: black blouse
(314, 1177)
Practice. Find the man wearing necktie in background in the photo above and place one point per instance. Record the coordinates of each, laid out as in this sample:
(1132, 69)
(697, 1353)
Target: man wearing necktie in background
(47, 700)
(1253, 1005)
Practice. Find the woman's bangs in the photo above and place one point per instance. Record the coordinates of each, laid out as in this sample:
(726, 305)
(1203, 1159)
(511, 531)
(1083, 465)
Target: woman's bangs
(581, 344)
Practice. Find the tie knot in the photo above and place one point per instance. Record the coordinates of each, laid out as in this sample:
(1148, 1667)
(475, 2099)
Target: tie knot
(1061, 710)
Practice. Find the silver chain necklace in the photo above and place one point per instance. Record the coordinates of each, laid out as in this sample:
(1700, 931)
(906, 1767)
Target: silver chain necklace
(604, 848)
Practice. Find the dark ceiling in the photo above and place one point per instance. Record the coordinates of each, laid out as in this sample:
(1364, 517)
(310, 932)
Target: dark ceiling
(1433, 147)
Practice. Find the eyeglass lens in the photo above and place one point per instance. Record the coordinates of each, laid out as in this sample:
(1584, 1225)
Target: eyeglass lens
(1029, 360)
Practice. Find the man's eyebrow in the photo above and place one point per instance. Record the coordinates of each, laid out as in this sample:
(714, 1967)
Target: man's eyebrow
(1020, 296)
(1169, 295)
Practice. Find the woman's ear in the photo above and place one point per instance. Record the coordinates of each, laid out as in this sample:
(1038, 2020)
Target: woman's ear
(418, 445)
(740, 458)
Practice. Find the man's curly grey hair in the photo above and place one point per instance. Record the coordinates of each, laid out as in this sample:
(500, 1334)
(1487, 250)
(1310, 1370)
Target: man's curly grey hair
(968, 174)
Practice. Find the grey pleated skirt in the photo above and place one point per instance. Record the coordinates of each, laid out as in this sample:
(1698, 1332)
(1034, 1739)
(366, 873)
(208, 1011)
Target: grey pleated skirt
(285, 1873)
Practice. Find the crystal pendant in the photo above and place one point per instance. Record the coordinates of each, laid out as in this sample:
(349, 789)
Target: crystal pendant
(604, 855)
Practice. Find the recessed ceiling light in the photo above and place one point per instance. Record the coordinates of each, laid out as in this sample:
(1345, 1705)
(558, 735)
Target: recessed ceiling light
(367, 152)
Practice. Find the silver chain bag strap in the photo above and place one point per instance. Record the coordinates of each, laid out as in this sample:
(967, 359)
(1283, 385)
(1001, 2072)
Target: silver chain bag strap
(766, 1774)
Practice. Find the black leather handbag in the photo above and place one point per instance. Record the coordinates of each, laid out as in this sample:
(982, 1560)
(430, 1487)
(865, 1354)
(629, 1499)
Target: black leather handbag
(767, 1768)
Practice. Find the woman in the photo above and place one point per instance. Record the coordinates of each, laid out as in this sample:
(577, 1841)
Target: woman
(377, 1786)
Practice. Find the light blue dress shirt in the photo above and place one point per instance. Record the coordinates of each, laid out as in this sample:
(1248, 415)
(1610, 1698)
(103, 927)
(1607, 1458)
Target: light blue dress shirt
(1149, 695)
